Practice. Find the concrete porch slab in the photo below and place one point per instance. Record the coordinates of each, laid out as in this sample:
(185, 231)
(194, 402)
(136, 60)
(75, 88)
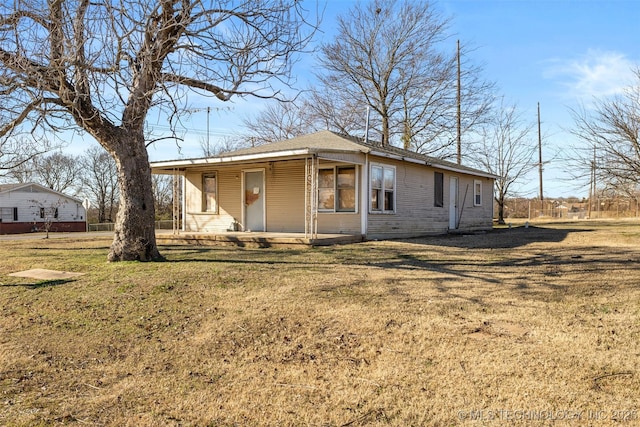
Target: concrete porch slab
(255, 239)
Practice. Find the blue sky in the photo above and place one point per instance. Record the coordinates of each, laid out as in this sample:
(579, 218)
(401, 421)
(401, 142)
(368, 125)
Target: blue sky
(560, 53)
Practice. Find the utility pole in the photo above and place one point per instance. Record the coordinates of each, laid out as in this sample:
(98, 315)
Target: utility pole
(208, 114)
(459, 102)
(540, 155)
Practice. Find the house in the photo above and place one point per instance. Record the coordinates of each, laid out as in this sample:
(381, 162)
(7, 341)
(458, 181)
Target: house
(31, 207)
(328, 183)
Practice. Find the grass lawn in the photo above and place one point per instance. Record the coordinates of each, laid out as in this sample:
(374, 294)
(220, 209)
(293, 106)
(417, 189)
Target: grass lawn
(529, 326)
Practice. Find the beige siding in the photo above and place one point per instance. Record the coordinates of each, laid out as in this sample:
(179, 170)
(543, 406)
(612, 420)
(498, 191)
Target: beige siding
(285, 196)
(476, 217)
(229, 200)
(339, 222)
(415, 211)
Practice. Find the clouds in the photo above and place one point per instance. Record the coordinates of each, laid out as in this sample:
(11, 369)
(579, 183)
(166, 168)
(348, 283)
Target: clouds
(595, 74)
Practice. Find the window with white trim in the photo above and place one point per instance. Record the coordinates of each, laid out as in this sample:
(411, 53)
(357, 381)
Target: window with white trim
(477, 193)
(383, 189)
(337, 189)
(210, 192)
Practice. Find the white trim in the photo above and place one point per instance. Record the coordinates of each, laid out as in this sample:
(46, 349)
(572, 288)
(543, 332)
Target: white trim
(477, 182)
(336, 201)
(434, 165)
(383, 166)
(227, 159)
(454, 200)
(322, 153)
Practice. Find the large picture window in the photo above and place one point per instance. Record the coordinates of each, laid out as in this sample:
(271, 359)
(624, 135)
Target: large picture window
(337, 189)
(210, 193)
(383, 189)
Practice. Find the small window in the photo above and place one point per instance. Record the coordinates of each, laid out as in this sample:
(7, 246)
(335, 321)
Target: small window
(477, 193)
(55, 213)
(438, 190)
(41, 212)
(210, 193)
(15, 214)
(383, 189)
(337, 189)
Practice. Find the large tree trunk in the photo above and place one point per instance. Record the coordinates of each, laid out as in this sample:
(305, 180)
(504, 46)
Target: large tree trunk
(134, 238)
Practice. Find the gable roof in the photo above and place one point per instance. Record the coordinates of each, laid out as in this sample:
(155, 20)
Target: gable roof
(29, 186)
(315, 143)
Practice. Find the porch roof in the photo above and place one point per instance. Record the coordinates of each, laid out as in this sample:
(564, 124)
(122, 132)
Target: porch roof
(319, 143)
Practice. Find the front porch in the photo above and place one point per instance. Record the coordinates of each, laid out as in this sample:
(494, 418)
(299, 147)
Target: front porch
(253, 239)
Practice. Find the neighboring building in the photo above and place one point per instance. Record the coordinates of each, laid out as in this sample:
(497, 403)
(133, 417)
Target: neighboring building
(29, 207)
(330, 183)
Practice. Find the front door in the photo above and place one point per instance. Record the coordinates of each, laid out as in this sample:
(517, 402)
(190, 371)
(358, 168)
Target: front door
(453, 203)
(254, 217)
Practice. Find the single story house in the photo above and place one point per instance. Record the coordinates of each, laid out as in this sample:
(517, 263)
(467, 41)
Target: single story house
(31, 207)
(331, 183)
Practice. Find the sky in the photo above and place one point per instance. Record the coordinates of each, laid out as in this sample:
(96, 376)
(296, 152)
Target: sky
(558, 53)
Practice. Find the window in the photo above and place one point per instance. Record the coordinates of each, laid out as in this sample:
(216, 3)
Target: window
(477, 193)
(326, 190)
(44, 212)
(438, 190)
(383, 188)
(15, 214)
(337, 189)
(210, 193)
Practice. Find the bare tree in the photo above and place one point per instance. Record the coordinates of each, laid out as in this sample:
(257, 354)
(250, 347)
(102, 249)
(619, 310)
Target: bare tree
(611, 133)
(163, 195)
(312, 111)
(100, 181)
(16, 153)
(48, 213)
(58, 171)
(278, 121)
(103, 66)
(389, 56)
(507, 150)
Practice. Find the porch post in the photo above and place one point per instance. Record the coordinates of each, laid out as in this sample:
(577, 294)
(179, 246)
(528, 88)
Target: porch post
(175, 211)
(183, 194)
(307, 198)
(311, 198)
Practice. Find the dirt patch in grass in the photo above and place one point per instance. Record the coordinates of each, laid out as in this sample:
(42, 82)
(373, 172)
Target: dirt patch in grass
(535, 325)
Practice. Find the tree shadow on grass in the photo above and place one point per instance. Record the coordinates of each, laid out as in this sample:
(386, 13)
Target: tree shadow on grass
(39, 284)
(502, 238)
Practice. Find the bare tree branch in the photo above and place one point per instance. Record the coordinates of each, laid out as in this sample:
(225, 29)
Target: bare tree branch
(102, 67)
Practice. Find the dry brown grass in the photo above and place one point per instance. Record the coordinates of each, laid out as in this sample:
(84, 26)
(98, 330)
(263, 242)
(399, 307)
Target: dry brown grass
(515, 324)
